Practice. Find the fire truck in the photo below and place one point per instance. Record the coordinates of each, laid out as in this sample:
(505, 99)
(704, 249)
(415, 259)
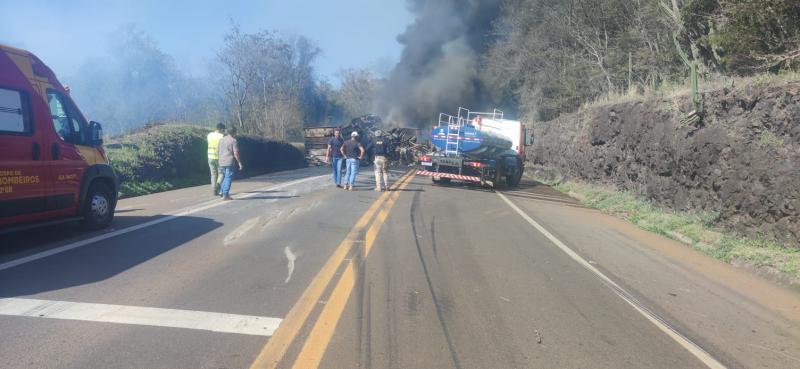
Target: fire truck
(52, 164)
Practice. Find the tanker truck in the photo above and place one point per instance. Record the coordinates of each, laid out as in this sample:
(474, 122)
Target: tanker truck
(476, 147)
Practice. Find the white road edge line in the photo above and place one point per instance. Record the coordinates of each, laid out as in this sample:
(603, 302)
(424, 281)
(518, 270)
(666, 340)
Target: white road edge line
(659, 322)
(170, 216)
(240, 231)
(136, 315)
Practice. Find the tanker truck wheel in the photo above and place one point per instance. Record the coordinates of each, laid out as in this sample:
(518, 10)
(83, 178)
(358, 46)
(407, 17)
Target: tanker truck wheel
(513, 181)
(498, 176)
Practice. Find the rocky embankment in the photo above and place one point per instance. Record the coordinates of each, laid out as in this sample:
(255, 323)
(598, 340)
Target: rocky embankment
(741, 160)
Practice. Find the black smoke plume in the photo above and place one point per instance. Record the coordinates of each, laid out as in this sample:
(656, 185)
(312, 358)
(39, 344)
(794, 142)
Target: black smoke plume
(439, 66)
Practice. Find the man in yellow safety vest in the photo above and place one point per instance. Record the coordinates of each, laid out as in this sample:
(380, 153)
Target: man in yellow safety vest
(213, 157)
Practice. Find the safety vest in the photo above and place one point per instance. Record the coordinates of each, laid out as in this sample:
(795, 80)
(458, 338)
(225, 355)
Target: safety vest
(213, 145)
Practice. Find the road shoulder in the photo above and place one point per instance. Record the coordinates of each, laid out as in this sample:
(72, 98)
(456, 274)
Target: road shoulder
(715, 304)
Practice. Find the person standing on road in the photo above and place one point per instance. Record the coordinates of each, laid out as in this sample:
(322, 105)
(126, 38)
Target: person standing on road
(353, 152)
(213, 157)
(334, 156)
(380, 149)
(228, 152)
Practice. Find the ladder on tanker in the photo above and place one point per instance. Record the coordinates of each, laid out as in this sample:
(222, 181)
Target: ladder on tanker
(455, 127)
(452, 141)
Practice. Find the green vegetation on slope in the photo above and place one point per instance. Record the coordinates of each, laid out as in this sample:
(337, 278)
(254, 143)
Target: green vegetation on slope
(552, 57)
(160, 158)
(697, 229)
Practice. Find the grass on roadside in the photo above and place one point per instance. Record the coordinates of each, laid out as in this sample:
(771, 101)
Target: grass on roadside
(671, 90)
(139, 188)
(698, 229)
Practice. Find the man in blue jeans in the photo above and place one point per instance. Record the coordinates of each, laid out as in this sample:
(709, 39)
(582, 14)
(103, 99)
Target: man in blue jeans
(228, 152)
(334, 156)
(353, 152)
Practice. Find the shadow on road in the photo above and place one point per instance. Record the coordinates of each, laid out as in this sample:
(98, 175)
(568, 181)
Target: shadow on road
(372, 189)
(528, 189)
(526, 184)
(33, 240)
(100, 260)
(533, 190)
(470, 186)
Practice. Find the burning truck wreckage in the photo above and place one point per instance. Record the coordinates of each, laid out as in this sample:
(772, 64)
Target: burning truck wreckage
(409, 144)
(479, 147)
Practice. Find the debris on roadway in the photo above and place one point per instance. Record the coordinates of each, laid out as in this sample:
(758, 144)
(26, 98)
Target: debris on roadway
(408, 144)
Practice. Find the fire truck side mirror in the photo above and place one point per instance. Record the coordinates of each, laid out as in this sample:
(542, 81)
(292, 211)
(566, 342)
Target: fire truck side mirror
(96, 134)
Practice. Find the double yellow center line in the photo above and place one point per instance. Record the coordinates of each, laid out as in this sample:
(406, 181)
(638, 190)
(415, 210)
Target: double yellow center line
(317, 342)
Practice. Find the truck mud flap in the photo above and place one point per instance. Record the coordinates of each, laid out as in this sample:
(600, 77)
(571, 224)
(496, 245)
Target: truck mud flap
(457, 177)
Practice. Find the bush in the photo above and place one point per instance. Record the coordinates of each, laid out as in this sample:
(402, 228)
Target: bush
(260, 155)
(160, 153)
(172, 156)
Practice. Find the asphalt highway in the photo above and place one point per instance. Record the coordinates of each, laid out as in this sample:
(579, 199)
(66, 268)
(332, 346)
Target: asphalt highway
(296, 273)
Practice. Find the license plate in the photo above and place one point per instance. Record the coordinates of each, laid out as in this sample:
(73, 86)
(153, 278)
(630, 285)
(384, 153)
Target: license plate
(427, 164)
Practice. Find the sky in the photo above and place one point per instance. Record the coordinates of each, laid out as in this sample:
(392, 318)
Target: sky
(351, 33)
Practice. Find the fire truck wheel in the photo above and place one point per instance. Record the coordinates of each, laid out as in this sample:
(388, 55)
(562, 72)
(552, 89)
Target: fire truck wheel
(99, 207)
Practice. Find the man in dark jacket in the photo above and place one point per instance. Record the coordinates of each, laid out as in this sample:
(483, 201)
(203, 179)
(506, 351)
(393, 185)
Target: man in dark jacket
(334, 156)
(380, 149)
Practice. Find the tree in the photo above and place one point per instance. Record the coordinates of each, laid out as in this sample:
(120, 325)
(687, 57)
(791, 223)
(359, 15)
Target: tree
(357, 93)
(269, 82)
(757, 35)
(551, 56)
(139, 84)
(240, 72)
